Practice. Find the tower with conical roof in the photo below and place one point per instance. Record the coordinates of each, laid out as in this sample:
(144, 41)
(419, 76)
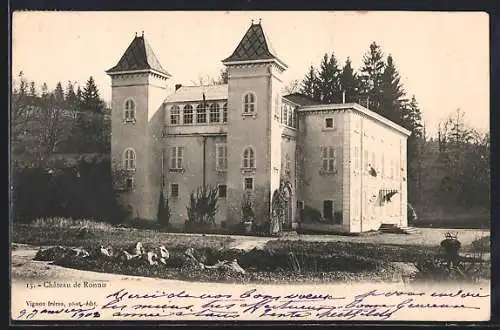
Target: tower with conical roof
(138, 86)
(254, 130)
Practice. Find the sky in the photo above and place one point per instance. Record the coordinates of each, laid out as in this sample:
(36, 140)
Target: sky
(443, 57)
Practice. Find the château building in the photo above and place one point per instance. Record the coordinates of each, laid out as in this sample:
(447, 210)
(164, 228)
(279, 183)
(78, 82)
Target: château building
(343, 161)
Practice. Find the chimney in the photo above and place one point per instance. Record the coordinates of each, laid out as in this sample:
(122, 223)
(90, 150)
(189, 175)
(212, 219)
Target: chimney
(177, 86)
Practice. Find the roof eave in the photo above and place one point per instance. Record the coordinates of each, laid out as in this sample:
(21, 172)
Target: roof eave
(359, 108)
(112, 72)
(280, 63)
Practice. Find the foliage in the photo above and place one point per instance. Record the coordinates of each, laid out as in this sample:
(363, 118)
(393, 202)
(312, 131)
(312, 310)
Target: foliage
(280, 200)
(163, 216)
(81, 191)
(247, 212)
(202, 208)
(311, 215)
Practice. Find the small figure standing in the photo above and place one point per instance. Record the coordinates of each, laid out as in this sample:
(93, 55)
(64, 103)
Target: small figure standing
(451, 246)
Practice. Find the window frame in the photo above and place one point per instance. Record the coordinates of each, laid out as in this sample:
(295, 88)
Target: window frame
(214, 113)
(177, 157)
(175, 113)
(172, 195)
(203, 113)
(326, 156)
(218, 157)
(252, 181)
(247, 104)
(129, 114)
(127, 160)
(332, 207)
(219, 190)
(185, 114)
(249, 160)
(326, 127)
(224, 113)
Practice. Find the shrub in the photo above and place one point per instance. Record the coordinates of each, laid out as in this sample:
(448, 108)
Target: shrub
(247, 212)
(202, 208)
(163, 216)
(311, 215)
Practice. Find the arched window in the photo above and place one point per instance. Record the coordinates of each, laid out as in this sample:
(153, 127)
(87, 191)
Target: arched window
(188, 114)
(129, 159)
(175, 115)
(201, 114)
(129, 110)
(214, 113)
(224, 113)
(249, 103)
(248, 158)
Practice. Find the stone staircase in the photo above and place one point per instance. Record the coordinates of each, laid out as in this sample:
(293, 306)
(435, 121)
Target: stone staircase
(397, 229)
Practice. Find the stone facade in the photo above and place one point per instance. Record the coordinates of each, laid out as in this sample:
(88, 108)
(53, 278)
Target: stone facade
(342, 160)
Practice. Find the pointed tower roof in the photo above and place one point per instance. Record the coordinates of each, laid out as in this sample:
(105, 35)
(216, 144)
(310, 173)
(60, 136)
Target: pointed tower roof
(139, 56)
(254, 47)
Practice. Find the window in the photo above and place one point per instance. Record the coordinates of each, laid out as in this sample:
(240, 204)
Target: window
(374, 161)
(328, 122)
(177, 155)
(129, 159)
(174, 190)
(201, 114)
(188, 114)
(129, 113)
(291, 117)
(224, 113)
(129, 184)
(328, 210)
(328, 159)
(221, 157)
(391, 169)
(284, 116)
(222, 190)
(248, 158)
(248, 183)
(214, 113)
(249, 103)
(175, 115)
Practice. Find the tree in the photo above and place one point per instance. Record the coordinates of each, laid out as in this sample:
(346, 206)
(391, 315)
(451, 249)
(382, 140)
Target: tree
(392, 93)
(371, 76)
(59, 94)
(71, 97)
(292, 87)
(202, 207)
(223, 77)
(91, 100)
(349, 82)
(163, 211)
(309, 85)
(328, 79)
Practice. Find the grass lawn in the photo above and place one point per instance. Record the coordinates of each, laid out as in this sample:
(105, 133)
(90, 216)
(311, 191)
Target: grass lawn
(320, 259)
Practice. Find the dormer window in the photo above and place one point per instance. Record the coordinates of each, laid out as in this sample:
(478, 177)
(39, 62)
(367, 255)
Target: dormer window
(249, 103)
(175, 115)
(129, 111)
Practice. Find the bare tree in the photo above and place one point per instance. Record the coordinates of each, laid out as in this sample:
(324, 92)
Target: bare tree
(291, 87)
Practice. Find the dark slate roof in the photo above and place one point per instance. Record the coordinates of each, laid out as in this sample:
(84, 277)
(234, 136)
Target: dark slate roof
(254, 46)
(300, 99)
(138, 56)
